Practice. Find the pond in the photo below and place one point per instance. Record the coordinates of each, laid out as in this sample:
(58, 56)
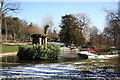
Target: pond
(68, 67)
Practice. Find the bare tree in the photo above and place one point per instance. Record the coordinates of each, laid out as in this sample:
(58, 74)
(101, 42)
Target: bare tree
(84, 22)
(6, 7)
(94, 35)
(48, 20)
(48, 23)
(35, 29)
(113, 23)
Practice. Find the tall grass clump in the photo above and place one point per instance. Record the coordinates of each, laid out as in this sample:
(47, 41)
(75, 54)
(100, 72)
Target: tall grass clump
(39, 52)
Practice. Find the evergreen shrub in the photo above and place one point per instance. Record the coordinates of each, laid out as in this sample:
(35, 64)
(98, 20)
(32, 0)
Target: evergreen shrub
(39, 52)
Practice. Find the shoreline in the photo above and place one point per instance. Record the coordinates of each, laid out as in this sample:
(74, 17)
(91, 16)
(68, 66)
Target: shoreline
(8, 54)
(92, 55)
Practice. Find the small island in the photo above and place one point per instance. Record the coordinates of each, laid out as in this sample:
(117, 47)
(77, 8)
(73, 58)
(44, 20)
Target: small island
(39, 50)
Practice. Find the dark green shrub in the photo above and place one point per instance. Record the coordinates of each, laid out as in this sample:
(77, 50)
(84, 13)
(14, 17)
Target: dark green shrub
(38, 52)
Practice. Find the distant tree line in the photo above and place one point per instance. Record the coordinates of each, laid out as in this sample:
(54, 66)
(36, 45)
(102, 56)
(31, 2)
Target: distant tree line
(75, 28)
(13, 28)
(111, 32)
(110, 36)
(18, 29)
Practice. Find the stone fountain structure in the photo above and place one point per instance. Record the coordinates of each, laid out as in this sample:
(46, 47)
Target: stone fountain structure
(40, 38)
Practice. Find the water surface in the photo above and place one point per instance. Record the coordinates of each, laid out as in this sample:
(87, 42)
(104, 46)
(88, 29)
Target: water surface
(68, 67)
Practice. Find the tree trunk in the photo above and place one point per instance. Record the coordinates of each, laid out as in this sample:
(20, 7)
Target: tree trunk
(1, 19)
(6, 31)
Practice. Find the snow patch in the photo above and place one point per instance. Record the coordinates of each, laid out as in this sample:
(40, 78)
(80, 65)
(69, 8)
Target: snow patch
(79, 62)
(91, 55)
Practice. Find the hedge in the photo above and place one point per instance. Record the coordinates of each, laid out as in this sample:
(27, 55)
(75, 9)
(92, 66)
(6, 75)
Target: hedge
(38, 52)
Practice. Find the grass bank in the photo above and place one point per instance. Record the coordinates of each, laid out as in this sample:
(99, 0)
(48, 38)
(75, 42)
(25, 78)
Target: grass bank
(9, 48)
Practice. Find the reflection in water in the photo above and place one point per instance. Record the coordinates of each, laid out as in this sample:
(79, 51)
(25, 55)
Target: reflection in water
(73, 70)
(64, 57)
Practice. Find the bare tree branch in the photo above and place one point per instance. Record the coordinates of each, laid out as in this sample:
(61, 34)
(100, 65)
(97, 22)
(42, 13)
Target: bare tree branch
(7, 7)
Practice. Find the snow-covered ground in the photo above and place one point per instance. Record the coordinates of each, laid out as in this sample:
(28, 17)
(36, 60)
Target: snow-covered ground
(91, 55)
